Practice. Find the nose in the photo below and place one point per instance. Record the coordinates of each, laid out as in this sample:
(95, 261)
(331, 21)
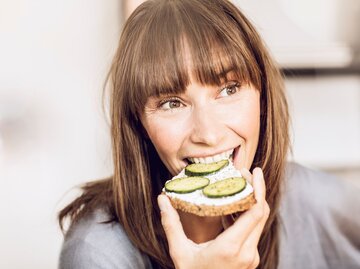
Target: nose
(207, 127)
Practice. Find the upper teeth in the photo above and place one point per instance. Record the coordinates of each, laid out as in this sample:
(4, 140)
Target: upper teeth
(222, 156)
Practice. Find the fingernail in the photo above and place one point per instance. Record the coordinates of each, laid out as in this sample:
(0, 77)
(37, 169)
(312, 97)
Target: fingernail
(163, 202)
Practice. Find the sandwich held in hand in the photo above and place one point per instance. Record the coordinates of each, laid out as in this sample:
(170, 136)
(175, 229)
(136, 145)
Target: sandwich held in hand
(210, 189)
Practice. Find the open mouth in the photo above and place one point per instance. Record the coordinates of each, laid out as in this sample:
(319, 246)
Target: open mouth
(226, 155)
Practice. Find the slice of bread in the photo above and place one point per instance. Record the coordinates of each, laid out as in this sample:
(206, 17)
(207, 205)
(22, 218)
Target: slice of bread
(197, 203)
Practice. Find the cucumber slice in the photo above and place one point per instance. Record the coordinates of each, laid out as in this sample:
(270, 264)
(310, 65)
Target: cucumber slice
(186, 184)
(225, 187)
(201, 169)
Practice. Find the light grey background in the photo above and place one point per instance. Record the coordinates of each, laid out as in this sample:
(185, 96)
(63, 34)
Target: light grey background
(53, 134)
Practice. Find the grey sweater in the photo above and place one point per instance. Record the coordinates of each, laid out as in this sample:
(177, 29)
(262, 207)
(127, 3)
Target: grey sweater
(320, 228)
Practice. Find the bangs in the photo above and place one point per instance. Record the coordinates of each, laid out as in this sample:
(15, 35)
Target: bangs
(183, 40)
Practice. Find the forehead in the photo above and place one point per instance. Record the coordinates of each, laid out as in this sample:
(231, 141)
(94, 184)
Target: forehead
(189, 64)
(218, 66)
(179, 44)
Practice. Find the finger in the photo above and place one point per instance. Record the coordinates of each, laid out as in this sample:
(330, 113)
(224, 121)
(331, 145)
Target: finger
(260, 193)
(253, 240)
(247, 175)
(249, 220)
(259, 184)
(171, 222)
(242, 227)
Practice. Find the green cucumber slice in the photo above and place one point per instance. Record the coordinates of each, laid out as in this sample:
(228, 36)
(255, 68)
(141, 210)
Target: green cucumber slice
(201, 169)
(225, 187)
(186, 184)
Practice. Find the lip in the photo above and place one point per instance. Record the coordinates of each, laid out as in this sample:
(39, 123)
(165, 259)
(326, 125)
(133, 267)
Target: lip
(211, 155)
(214, 157)
(236, 155)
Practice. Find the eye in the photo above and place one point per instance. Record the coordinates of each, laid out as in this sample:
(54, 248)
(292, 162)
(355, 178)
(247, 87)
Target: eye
(230, 89)
(171, 103)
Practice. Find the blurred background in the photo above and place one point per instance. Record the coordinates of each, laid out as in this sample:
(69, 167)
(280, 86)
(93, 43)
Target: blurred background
(54, 56)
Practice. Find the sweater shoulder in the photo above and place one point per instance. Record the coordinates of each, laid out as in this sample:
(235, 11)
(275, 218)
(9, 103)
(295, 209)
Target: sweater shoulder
(93, 242)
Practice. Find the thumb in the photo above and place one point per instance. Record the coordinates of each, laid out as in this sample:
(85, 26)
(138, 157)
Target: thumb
(171, 223)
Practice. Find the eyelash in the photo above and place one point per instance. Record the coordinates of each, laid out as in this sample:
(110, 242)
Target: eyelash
(167, 100)
(161, 103)
(231, 85)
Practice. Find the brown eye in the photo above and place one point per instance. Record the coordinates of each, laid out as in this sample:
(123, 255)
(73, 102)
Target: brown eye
(229, 90)
(174, 104)
(170, 104)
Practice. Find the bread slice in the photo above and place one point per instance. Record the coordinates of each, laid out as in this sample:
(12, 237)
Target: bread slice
(197, 203)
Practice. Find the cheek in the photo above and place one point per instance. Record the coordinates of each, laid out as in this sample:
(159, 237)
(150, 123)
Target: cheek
(246, 123)
(166, 136)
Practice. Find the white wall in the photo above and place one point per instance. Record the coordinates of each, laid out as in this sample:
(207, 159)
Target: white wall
(325, 113)
(54, 57)
(325, 110)
(307, 33)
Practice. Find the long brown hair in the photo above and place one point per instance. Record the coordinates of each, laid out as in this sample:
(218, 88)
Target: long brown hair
(150, 61)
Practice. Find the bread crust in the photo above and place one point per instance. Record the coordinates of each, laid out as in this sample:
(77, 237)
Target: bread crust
(212, 210)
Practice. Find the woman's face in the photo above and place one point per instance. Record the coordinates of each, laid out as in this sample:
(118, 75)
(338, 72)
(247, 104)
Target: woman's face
(205, 124)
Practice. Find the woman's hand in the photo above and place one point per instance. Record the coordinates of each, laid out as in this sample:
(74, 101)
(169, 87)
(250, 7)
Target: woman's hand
(236, 247)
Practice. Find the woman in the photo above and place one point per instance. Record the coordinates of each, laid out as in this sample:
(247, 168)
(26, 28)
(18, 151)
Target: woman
(192, 79)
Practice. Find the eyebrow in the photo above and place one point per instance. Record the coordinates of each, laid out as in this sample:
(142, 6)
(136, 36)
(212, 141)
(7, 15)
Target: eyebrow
(225, 72)
(164, 92)
(222, 74)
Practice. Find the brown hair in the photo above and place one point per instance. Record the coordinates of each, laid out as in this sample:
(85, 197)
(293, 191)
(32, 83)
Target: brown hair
(149, 61)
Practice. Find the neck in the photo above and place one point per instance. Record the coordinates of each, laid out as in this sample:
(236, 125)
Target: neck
(200, 229)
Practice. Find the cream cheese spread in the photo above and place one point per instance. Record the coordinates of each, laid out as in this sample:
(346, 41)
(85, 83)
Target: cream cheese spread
(198, 198)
